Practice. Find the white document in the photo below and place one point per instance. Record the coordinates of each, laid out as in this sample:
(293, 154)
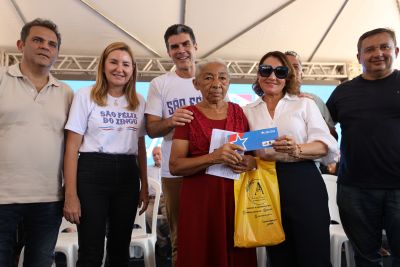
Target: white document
(218, 139)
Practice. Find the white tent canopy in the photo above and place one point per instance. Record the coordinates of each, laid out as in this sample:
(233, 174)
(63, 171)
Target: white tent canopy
(320, 31)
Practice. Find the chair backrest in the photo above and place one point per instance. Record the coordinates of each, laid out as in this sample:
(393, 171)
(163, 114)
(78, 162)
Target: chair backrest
(140, 220)
(331, 187)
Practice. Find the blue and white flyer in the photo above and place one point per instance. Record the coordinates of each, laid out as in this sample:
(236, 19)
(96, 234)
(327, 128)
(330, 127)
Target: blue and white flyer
(255, 140)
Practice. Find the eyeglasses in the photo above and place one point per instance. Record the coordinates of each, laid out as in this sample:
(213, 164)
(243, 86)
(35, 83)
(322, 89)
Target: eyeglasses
(281, 72)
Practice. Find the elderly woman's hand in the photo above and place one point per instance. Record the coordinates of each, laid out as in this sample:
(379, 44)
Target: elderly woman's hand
(248, 163)
(227, 154)
(285, 144)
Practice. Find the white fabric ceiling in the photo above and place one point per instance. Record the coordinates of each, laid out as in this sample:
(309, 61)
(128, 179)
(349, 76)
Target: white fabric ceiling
(319, 30)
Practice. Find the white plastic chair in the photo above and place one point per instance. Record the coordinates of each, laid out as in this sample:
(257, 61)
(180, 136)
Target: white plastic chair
(67, 243)
(338, 236)
(338, 239)
(140, 237)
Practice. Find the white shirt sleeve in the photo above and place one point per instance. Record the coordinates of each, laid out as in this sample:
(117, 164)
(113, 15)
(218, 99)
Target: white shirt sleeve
(154, 104)
(317, 130)
(142, 107)
(79, 112)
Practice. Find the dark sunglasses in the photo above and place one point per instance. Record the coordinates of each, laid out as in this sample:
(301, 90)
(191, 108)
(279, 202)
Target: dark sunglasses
(281, 72)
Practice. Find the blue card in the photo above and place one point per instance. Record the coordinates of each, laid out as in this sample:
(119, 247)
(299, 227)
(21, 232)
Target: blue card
(254, 140)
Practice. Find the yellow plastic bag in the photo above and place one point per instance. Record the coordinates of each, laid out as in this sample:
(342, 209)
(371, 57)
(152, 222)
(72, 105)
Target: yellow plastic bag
(257, 207)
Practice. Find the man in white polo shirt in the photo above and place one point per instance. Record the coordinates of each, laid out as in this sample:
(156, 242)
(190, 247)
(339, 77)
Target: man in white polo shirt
(33, 110)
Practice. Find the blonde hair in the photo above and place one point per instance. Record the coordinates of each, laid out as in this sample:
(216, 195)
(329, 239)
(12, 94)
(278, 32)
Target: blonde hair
(99, 90)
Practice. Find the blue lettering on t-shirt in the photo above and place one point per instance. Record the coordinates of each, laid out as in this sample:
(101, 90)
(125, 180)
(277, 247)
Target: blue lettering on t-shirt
(119, 118)
(175, 104)
(125, 121)
(194, 100)
(108, 113)
(127, 115)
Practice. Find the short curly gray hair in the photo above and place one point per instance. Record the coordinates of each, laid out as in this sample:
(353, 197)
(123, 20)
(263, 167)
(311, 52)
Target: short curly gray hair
(204, 62)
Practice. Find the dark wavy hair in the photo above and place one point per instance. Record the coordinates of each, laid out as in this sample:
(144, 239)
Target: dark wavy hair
(42, 23)
(291, 86)
(177, 29)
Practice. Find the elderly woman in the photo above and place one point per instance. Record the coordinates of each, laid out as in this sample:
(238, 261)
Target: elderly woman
(106, 128)
(206, 221)
(304, 137)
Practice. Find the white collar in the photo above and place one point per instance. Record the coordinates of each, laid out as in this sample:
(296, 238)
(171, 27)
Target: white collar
(260, 100)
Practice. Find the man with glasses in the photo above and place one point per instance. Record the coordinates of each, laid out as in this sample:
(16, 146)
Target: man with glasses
(368, 110)
(33, 110)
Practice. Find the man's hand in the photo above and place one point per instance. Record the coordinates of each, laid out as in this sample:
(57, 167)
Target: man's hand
(181, 116)
(163, 127)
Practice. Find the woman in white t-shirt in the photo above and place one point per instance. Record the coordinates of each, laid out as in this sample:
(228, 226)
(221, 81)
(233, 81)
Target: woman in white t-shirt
(303, 138)
(105, 160)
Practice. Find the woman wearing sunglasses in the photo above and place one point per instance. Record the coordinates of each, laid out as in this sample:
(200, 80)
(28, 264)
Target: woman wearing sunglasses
(303, 138)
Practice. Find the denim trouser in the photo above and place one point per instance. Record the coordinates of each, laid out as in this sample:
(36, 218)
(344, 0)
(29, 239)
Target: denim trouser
(41, 223)
(364, 213)
(108, 189)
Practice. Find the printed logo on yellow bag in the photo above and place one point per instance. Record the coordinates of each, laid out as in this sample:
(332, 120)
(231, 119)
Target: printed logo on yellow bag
(257, 207)
(255, 192)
